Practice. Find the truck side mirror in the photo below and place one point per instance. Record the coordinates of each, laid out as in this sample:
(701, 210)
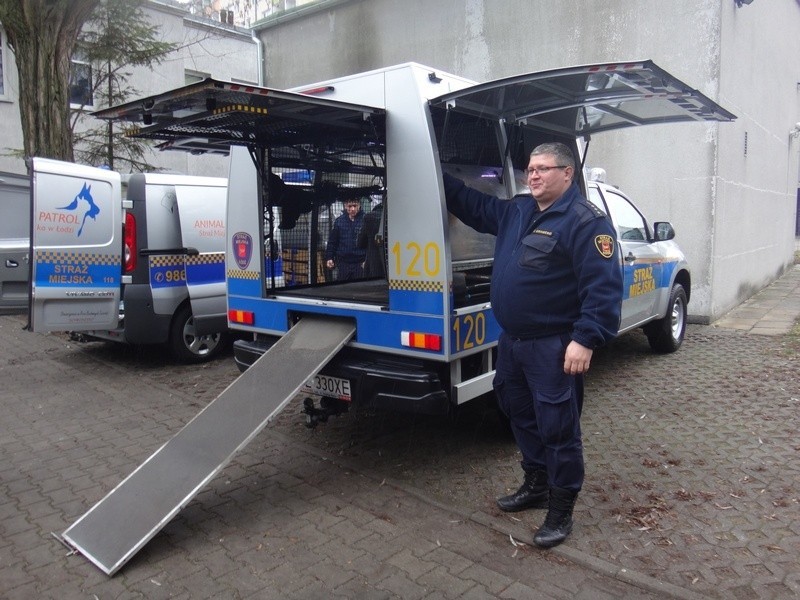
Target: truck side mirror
(663, 231)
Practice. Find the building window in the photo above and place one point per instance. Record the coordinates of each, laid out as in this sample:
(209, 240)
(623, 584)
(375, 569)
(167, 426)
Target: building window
(80, 82)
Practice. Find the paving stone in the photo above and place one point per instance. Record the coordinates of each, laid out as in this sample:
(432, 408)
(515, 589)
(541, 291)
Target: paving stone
(692, 482)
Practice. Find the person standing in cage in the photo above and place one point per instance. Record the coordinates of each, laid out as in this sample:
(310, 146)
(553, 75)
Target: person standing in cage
(557, 295)
(342, 252)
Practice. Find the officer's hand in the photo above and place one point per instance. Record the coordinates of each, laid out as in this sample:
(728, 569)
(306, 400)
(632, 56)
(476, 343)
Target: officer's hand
(577, 359)
(329, 264)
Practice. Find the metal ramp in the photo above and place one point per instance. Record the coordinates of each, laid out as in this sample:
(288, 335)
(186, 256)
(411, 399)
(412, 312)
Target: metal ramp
(132, 513)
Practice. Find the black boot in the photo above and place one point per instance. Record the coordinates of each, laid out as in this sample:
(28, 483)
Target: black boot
(532, 494)
(558, 522)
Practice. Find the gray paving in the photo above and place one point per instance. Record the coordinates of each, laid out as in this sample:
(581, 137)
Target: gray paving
(772, 311)
(692, 491)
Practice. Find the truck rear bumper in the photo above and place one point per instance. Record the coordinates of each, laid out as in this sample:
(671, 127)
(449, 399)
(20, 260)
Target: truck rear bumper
(384, 382)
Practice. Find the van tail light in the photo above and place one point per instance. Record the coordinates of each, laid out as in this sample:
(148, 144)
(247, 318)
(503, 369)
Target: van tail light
(425, 341)
(243, 317)
(129, 244)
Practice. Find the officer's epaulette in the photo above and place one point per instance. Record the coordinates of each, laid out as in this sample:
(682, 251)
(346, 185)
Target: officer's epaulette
(592, 211)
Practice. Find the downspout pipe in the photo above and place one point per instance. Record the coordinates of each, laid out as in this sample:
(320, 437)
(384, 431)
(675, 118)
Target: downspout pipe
(259, 58)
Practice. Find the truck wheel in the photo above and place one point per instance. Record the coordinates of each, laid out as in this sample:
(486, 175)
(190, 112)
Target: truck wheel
(188, 347)
(666, 335)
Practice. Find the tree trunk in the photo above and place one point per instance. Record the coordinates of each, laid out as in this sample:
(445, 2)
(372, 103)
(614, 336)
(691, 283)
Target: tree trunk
(42, 34)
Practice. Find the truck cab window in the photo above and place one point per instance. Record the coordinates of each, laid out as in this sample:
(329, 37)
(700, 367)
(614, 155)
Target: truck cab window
(629, 223)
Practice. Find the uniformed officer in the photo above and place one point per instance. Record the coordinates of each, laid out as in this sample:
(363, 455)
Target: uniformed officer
(556, 293)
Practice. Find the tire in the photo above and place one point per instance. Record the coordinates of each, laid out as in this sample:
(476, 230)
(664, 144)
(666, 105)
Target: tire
(188, 347)
(666, 335)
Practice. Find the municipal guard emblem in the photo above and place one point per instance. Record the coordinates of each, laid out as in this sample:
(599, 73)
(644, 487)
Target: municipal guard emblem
(242, 248)
(605, 245)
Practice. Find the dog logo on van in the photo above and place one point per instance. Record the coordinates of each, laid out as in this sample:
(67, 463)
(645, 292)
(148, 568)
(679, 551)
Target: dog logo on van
(242, 248)
(91, 212)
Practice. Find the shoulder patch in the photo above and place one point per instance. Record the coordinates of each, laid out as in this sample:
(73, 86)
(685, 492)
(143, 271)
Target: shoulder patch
(605, 245)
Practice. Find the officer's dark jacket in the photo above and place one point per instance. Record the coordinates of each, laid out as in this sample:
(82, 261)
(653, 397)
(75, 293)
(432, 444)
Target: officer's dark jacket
(343, 242)
(555, 271)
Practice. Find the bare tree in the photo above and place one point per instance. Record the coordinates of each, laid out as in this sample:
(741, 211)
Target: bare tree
(42, 34)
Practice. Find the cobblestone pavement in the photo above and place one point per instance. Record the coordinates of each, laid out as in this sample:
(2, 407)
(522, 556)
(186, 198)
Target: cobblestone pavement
(692, 490)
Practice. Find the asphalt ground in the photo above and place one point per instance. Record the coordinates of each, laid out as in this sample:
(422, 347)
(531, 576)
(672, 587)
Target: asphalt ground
(692, 489)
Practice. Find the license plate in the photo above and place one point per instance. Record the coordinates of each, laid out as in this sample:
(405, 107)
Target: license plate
(324, 385)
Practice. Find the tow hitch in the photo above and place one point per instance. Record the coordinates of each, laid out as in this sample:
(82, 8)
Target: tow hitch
(328, 407)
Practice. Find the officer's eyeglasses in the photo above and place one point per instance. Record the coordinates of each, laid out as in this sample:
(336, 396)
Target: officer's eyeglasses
(543, 170)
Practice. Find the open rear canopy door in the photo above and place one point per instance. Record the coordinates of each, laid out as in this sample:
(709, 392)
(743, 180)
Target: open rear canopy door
(579, 101)
(76, 247)
(210, 115)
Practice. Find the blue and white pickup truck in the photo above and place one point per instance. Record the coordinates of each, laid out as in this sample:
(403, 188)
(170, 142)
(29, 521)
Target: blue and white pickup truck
(424, 334)
(656, 277)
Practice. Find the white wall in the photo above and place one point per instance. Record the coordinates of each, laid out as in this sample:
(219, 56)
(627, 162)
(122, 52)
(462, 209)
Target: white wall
(754, 217)
(732, 214)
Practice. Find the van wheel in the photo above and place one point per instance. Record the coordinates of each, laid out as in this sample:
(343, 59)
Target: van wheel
(188, 347)
(666, 335)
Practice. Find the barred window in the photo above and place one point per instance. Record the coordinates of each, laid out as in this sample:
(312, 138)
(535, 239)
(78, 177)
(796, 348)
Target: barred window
(81, 85)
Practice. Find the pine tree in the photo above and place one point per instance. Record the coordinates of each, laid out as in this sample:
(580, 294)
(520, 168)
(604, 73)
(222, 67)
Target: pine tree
(115, 39)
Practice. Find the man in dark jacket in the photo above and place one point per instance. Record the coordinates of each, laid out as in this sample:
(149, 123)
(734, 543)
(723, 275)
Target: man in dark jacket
(556, 293)
(342, 250)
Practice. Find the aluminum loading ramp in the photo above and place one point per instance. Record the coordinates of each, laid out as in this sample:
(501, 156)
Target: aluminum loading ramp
(132, 513)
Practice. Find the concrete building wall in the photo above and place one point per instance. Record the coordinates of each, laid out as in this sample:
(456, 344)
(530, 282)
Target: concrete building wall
(733, 213)
(204, 47)
(10, 126)
(758, 165)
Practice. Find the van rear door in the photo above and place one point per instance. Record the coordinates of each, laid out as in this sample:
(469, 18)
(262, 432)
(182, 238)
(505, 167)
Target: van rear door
(76, 248)
(579, 101)
(201, 208)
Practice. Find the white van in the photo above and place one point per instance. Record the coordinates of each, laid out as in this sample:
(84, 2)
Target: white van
(146, 270)
(15, 227)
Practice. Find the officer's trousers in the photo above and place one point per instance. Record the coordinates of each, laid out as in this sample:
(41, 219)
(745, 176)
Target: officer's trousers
(543, 405)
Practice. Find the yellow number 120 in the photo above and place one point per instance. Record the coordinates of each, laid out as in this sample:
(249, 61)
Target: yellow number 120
(428, 258)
